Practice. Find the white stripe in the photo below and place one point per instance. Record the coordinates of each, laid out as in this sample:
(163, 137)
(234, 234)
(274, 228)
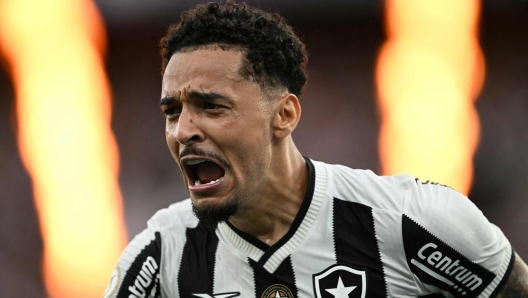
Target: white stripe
(237, 243)
(173, 240)
(398, 278)
(232, 274)
(317, 254)
(504, 266)
(432, 273)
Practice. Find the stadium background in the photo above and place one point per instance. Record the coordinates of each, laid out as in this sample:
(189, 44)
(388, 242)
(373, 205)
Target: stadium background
(339, 123)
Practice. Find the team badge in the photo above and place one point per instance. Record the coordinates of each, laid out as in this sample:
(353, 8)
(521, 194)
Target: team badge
(277, 291)
(340, 281)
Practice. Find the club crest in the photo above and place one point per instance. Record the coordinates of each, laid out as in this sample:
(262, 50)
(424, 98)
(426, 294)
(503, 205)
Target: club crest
(277, 291)
(340, 281)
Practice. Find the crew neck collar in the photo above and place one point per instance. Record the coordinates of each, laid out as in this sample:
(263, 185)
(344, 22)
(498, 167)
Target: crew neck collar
(270, 257)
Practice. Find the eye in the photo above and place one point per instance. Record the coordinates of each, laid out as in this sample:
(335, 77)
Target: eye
(172, 111)
(169, 111)
(211, 106)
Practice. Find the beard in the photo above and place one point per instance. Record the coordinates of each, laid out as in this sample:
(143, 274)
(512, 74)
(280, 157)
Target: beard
(211, 216)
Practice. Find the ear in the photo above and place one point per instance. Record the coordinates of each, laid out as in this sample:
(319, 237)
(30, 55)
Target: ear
(287, 115)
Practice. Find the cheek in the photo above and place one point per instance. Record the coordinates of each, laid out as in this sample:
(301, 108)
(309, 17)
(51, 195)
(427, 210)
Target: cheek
(252, 136)
(172, 143)
(254, 144)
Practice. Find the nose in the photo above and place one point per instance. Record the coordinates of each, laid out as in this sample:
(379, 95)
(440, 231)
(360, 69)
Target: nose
(187, 129)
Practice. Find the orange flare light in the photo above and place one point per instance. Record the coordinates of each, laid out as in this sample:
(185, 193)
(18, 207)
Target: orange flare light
(429, 72)
(63, 109)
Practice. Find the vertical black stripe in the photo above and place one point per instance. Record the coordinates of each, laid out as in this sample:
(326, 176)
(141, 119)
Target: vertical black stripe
(356, 245)
(196, 274)
(139, 279)
(282, 276)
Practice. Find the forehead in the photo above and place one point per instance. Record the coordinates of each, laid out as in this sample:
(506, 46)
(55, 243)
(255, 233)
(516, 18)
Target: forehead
(203, 69)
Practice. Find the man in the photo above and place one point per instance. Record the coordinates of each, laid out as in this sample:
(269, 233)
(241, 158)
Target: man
(264, 221)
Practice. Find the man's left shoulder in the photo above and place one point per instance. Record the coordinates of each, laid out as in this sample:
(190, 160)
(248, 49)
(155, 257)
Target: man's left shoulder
(368, 188)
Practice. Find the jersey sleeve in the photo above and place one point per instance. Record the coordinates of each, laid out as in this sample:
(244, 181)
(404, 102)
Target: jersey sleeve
(450, 247)
(137, 271)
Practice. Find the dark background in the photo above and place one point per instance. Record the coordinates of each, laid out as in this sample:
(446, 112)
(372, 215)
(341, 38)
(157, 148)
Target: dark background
(339, 124)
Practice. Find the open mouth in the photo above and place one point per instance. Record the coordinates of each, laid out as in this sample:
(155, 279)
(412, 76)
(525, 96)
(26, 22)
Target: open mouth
(203, 172)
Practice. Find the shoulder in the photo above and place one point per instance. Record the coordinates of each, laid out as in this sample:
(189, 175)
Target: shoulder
(178, 216)
(432, 230)
(436, 208)
(367, 188)
(447, 238)
(448, 214)
(142, 267)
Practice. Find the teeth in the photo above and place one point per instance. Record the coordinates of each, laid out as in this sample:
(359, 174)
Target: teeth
(199, 182)
(195, 162)
(211, 182)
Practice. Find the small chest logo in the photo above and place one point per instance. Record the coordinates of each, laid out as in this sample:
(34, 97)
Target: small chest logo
(340, 281)
(277, 291)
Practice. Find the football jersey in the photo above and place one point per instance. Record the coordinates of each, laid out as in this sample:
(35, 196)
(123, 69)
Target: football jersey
(356, 235)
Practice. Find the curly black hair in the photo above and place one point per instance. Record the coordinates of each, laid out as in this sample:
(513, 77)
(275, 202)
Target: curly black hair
(273, 52)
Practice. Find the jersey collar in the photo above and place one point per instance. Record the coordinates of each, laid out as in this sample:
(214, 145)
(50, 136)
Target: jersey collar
(270, 257)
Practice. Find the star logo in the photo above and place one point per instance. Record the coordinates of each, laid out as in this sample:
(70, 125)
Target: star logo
(340, 281)
(341, 291)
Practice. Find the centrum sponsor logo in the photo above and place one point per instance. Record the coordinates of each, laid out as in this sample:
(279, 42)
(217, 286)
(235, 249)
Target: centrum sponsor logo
(144, 279)
(450, 268)
(438, 264)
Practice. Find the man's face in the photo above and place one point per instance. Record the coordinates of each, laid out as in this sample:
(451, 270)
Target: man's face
(218, 130)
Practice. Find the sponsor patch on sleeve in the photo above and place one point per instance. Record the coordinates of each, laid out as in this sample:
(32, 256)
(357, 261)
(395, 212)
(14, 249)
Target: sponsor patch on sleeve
(437, 264)
(142, 278)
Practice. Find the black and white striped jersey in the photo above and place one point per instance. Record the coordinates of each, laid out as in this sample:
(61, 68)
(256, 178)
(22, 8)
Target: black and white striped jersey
(356, 235)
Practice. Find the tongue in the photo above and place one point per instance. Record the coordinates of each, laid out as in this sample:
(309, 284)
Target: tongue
(208, 171)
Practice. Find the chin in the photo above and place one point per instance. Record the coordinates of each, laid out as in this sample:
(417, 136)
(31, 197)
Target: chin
(210, 215)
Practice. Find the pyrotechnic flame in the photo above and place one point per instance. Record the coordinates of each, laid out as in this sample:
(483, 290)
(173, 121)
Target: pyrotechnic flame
(53, 49)
(430, 71)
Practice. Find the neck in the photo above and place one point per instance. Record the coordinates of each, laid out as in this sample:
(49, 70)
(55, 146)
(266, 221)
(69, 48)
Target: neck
(270, 213)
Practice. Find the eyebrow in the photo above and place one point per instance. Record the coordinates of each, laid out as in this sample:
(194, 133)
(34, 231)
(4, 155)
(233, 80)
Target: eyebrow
(167, 100)
(205, 95)
(170, 100)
